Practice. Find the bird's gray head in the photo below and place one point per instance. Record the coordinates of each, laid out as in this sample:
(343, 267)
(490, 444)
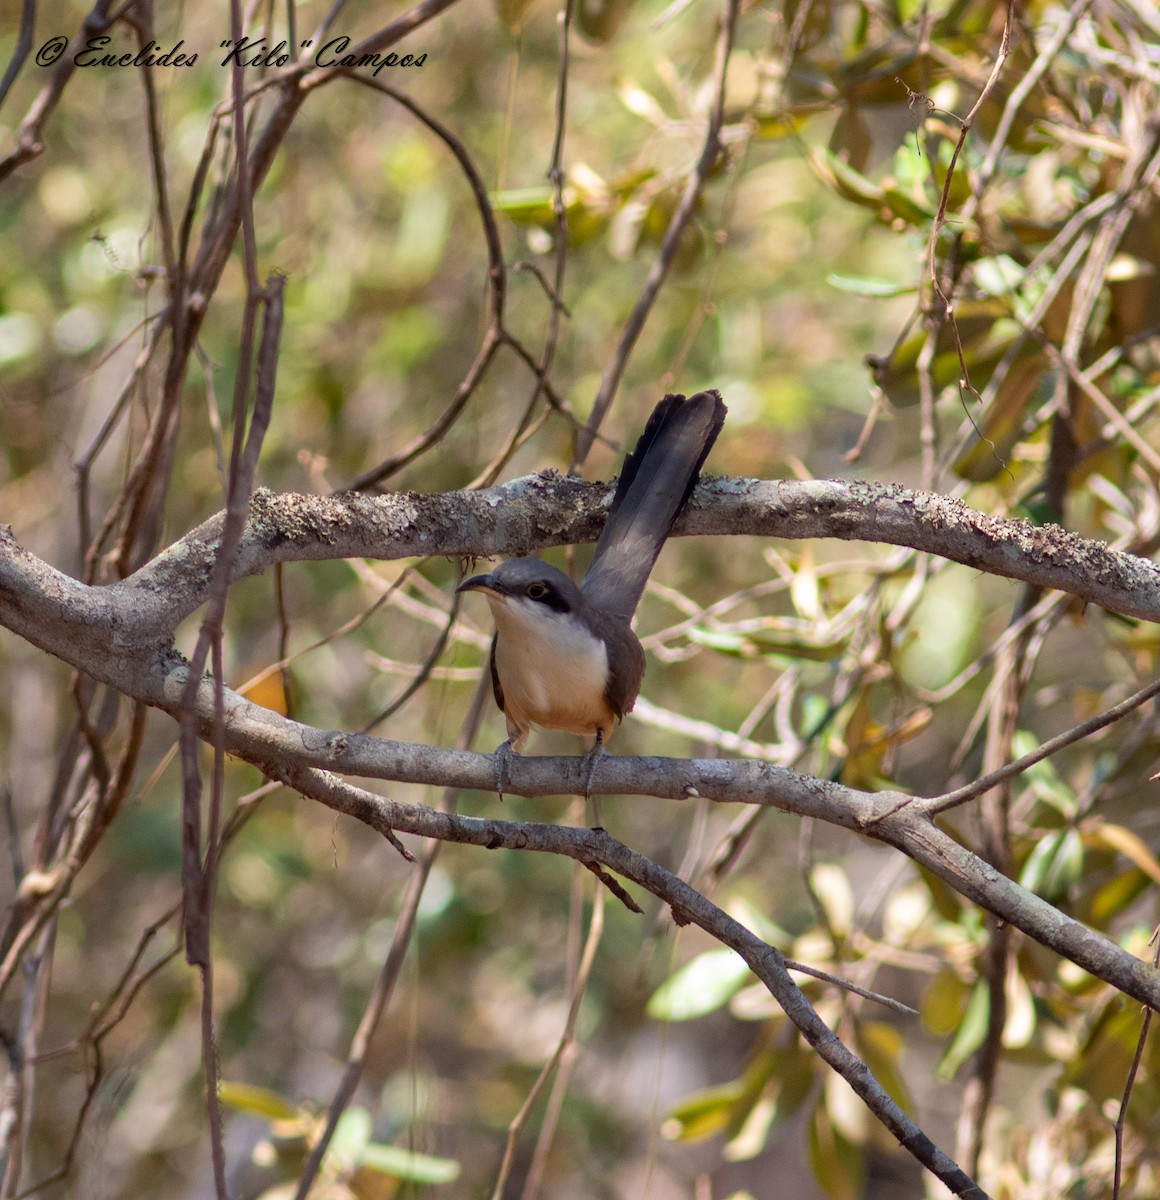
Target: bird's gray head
(528, 584)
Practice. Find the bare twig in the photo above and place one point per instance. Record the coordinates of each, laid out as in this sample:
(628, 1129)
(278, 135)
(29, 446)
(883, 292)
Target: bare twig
(683, 213)
(497, 293)
(388, 978)
(587, 845)
(1130, 1082)
(970, 791)
(559, 1055)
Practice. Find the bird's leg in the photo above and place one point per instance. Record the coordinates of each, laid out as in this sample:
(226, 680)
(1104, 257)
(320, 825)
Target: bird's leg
(503, 760)
(590, 762)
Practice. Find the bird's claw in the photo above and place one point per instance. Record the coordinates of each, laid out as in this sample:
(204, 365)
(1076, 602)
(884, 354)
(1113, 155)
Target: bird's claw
(590, 762)
(503, 760)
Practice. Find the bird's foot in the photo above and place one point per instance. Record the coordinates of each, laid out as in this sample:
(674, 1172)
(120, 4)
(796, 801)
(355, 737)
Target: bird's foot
(589, 764)
(503, 761)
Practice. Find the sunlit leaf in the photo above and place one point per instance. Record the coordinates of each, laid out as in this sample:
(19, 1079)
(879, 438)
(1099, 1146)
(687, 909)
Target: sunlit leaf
(640, 102)
(526, 206)
(703, 1114)
(838, 1164)
(1054, 865)
(782, 638)
(407, 1164)
(260, 1101)
(513, 13)
(831, 885)
(751, 1138)
(1021, 1017)
(944, 1001)
(702, 985)
(845, 181)
(803, 588)
(907, 910)
(1125, 842)
(971, 1032)
(861, 286)
(351, 1137)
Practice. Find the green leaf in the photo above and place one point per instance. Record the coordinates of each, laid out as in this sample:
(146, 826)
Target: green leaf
(407, 1164)
(906, 206)
(970, 1034)
(1001, 425)
(526, 206)
(741, 909)
(1066, 867)
(947, 901)
(842, 178)
(1054, 864)
(1124, 841)
(861, 286)
(771, 126)
(351, 1136)
(600, 19)
(881, 1047)
(701, 986)
(789, 640)
(1117, 896)
(704, 1113)
(1044, 778)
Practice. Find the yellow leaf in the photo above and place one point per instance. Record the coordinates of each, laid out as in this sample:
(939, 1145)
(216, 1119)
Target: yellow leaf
(247, 1097)
(513, 13)
(1125, 842)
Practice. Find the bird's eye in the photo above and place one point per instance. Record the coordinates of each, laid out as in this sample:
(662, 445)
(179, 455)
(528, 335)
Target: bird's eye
(537, 591)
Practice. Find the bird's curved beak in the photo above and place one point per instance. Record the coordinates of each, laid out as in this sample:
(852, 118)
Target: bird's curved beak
(479, 583)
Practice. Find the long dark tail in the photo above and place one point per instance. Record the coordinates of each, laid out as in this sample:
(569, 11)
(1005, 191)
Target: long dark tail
(655, 481)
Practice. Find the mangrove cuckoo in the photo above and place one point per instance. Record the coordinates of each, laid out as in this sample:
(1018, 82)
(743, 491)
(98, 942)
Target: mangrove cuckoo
(565, 656)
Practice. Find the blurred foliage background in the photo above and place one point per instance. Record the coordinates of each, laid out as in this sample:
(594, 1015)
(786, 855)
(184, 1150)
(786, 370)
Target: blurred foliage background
(802, 289)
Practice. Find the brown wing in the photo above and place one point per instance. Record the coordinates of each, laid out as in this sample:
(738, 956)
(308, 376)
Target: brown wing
(625, 667)
(496, 686)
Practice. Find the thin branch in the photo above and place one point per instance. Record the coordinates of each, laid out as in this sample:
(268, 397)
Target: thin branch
(21, 49)
(388, 978)
(497, 291)
(28, 135)
(563, 1045)
(1018, 97)
(683, 213)
(941, 804)
(689, 906)
(1130, 1082)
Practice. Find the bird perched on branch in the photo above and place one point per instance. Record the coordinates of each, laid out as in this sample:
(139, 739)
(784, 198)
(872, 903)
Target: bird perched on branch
(564, 656)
